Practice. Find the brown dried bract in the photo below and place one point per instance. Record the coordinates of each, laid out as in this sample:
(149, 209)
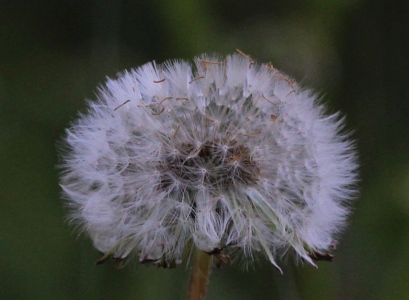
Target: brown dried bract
(204, 63)
(176, 131)
(159, 112)
(122, 104)
(268, 100)
(270, 67)
(196, 79)
(318, 256)
(252, 133)
(252, 62)
(274, 118)
(208, 118)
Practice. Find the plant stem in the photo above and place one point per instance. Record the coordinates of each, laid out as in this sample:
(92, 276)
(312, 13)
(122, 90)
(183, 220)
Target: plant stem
(199, 278)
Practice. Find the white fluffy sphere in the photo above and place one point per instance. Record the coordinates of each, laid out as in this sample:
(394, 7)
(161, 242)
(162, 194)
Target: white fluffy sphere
(227, 156)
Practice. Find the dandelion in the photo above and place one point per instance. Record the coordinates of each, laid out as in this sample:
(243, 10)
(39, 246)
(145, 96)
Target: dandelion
(228, 158)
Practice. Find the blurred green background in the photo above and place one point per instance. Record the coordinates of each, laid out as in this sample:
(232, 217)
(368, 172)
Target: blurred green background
(53, 54)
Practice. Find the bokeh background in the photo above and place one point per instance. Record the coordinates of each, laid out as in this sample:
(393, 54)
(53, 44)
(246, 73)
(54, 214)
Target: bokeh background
(53, 54)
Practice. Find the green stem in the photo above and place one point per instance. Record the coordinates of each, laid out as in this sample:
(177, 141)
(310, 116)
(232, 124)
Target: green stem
(199, 277)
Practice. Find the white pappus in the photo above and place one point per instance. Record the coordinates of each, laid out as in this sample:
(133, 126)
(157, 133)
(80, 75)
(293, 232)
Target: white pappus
(228, 156)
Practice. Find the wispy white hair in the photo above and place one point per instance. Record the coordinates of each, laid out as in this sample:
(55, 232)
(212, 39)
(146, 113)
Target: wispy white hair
(226, 156)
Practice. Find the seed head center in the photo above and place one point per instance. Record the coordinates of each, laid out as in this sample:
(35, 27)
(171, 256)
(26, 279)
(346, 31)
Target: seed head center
(212, 164)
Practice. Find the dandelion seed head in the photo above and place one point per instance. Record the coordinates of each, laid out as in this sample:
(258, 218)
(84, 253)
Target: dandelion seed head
(222, 155)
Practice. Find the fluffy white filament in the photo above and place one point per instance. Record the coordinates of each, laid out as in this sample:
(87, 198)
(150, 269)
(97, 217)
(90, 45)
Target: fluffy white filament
(227, 156)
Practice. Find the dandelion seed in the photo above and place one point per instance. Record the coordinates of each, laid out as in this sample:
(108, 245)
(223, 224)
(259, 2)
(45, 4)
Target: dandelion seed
(222, 171)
